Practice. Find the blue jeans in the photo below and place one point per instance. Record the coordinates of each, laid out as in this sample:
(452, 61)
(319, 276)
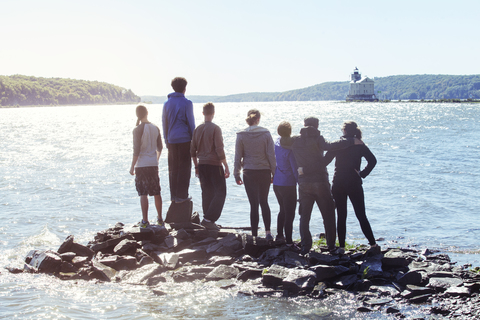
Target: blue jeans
(319, 192)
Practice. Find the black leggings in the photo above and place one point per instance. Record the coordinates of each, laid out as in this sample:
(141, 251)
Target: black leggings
(354, 191)
(287, 200)
(257, 186)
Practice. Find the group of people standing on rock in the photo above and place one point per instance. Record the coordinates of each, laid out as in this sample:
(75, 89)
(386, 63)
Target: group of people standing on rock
(259, 162)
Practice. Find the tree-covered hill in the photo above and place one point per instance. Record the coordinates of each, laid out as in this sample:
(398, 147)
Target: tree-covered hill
(26, 90)
(402, 87)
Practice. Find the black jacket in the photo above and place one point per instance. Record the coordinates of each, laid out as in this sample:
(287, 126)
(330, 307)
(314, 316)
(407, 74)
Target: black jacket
(308, 150)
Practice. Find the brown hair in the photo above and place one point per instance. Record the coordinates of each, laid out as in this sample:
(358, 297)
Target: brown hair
(284, 129)
(208, 109)
(141, 112)
(352, 130)
(179, 84)
(253, 116)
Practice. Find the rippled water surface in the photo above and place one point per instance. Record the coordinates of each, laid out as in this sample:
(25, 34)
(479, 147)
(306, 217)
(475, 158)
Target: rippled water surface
(64, 170)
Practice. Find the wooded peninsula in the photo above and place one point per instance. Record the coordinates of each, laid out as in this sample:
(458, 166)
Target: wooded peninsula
(19, 90)
(403, 87)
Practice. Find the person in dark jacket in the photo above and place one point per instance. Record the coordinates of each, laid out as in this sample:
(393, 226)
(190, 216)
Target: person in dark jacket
(313, 184)
(178, 126)
(347, 182)
(285, 183)
(254, 152)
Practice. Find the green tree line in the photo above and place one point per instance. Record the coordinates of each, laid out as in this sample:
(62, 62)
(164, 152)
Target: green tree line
(25, 90)
(402, 87)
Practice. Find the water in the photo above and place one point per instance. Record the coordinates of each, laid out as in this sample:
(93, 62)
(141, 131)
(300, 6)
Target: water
(64, 170)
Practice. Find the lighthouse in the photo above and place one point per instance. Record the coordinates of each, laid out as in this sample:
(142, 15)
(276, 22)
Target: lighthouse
(361, 89)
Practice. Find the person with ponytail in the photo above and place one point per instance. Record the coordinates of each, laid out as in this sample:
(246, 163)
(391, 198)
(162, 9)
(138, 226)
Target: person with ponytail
(147, 147)
(347, 182)
(255, 154)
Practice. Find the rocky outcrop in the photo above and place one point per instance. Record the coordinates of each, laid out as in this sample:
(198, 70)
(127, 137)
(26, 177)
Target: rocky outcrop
(186, 251)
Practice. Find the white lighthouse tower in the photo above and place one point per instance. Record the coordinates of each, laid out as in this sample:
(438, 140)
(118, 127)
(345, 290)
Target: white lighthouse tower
(361, 89)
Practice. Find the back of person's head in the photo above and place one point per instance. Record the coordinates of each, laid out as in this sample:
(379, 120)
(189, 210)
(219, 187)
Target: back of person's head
(208, 109)
(253, 116)
(179, 84)
(284, 129)
(351, 129)
(141, 112)
(311, 122)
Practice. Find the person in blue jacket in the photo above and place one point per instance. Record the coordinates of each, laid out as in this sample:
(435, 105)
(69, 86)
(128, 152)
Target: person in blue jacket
(178, 126)
(285, 183)
(347, 182)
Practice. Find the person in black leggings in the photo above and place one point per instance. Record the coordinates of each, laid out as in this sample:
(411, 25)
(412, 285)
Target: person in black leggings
(255, 154)
(347, 182)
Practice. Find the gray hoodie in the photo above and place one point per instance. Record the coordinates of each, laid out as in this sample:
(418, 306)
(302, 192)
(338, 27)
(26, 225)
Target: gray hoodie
(254, 150)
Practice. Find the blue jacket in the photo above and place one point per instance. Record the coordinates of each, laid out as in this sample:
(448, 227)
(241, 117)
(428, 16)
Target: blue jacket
(177, 118)
(286, 171)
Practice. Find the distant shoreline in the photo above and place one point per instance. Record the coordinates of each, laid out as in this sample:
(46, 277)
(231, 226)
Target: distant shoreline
(69, 105)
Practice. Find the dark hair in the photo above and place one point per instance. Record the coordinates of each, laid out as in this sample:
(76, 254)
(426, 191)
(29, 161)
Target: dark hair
(208, 109)
(284, 129)
(311, 122)
(179, 84)
(352, 130)
(141, 112)
(253, 116)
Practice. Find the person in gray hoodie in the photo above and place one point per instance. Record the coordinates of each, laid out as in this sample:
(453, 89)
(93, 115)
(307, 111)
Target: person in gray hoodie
(255, 153)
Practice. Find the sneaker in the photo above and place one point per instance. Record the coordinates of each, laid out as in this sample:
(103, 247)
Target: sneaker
(210, 225)
(279, 238)
(142, 224)
(269, 237)
(293, 247)
(340, 251)
(160, 222)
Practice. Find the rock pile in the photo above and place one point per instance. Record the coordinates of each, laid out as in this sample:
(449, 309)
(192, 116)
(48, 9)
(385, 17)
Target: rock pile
(180, 252)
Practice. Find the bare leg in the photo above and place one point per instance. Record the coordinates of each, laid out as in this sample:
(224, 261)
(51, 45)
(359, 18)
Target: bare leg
(158, 206)
(144, 205)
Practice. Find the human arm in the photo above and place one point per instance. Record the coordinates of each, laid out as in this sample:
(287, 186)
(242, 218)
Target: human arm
(132, 167)
(329, 157)
(159, 144)
(270, 148)
(225, 165)
(219, 149)
(237, 164)
(165, 124)
(190, 117)
(293, 165)
(371, 162)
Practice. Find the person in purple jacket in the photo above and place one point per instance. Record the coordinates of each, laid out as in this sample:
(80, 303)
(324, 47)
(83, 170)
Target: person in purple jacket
(178, 125)
(285, 183)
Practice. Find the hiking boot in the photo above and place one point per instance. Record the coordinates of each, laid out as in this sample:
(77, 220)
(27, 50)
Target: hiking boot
(340, 251)
(210, 225)
(269, 237)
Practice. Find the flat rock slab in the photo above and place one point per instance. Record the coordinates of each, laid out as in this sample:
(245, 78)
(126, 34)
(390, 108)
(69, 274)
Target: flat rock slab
(222, 272)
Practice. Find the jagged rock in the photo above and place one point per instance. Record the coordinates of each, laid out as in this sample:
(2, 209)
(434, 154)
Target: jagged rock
(191, 254)
(392, 310)
(364, 309)
(175, 243)
(218, 260)
(254, 246)
(388, 290)
(372, 267)
(80, 262)
(444, 283)
(322, 258)
(158, 293)
(108, 245)
(362, 285)
(418, 291)
(102, 272)
(156, 279)
(420, 299)
(346, 281)
(150, 247)
(229, 244)
(397, 258)
(45, 261)
(411, 277)
(271, 255)
(68, 256)
(378, 302)
(187, 276)
(145, 260)
(457, 292)
(189, 225)
(248, 274)
(324, 272)
(67, 267)
(169, 260)
(273, 277)
(439, 258)
(80, 250)
(222, 272)
(292, 259)
(126, 247)
(120, 262)
(298, 279)
(66, 245)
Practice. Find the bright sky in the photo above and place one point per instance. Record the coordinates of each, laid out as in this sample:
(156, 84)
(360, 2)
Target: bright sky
(226, 47)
